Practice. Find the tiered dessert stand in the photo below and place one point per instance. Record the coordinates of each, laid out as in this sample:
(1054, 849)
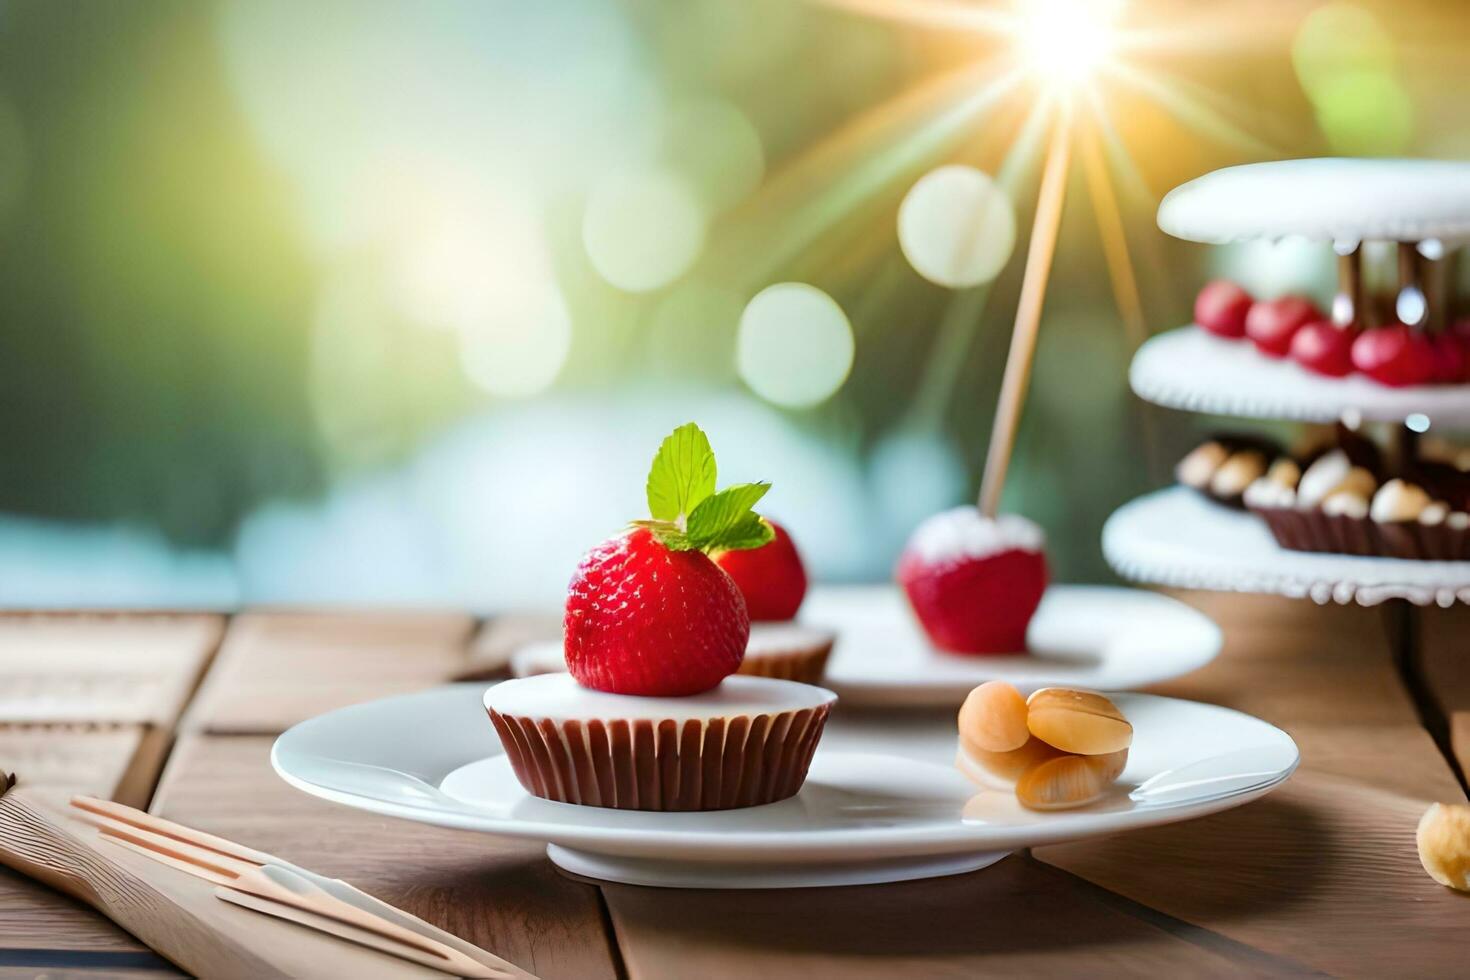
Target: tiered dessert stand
(1175, 537)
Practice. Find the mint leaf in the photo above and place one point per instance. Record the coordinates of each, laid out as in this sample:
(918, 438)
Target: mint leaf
(750, 532)
(668, 534)
(725, 521)
(683, 474)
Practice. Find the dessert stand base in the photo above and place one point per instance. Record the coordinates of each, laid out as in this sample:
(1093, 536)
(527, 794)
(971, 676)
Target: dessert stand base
(1174, 537)
(656, 873)
(1190, 370)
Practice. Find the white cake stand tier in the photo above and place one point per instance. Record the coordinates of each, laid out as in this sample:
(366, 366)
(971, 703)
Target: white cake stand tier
(1175, 537)
(1195, 371)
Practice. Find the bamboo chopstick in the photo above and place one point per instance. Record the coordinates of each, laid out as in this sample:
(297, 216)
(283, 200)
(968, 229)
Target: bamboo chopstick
(280, 889)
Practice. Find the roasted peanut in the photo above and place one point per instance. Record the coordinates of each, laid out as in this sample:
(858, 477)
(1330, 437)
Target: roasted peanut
(993, 718)
(1069, 780)
(1079, 722)
(1444, 844)
(1001, 769)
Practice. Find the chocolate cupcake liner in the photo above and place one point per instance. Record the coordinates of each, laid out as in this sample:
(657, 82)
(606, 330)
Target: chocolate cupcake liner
(1436, 543)
(1312, 530)
(667, 764)
(805, 666)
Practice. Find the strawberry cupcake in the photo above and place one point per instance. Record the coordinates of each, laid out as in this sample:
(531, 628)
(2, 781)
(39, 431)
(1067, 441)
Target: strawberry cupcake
(773, 581)
(649, 716)
(974, 582)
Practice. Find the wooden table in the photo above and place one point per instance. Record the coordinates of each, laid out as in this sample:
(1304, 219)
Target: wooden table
(1319, 877)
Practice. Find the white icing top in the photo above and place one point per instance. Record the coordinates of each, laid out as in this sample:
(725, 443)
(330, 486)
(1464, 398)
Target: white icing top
(546, 657)
(788, 637)
(1323, 477)
(1343, 200)
(963, 532)
(1346, 503)
(560, 698)
(766, 639)
(1267, 493)
(1434, 514)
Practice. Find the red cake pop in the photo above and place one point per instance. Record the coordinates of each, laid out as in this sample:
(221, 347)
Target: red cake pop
(1271, 324)
(1221, 308)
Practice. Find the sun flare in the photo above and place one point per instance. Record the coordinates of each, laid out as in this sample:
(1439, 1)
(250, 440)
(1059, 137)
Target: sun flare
(1065, 43)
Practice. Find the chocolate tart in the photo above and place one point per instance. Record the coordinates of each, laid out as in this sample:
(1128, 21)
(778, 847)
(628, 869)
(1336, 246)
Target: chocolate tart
(787, 651)
(1313, 530)
(1201, 470)
(1437, 542)
(745, 743)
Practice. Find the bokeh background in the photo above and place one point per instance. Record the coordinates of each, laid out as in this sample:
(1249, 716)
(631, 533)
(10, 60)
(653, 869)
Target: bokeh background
(370, 302)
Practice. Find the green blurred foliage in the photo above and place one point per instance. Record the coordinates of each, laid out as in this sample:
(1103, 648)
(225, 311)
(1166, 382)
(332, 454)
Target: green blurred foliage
(153, 364)
(177, 349)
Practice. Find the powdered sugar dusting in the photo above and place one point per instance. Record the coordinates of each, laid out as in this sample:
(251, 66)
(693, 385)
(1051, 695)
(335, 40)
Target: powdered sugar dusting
(964, 532)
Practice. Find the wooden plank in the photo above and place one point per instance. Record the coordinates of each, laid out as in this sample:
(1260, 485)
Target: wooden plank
(1015, 918)
(1324, 871)
(101, 668)
(33, 917)
(1292, 662)
(66, 965)
(85, 967)
(498, 893)
(120, 762)
(278, 668)
(75, 759)
(111, 687)
(175, 913)
(1445, 640)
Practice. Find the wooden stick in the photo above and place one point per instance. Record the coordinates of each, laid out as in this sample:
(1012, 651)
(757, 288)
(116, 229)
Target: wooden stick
(1028, 312)
(1347, 303)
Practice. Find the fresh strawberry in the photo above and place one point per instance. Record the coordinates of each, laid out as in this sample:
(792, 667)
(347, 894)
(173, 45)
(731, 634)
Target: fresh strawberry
(1396, 355)
(642, 619)
(1271, 324)
(1221, 308)
(770, 577)
(648, 612)
(974, 582)
(1460, 331)
(1324, 348)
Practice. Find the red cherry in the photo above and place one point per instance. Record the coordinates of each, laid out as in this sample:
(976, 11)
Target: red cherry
(1446, 358)
(1323, 347)
(770, 577)
(1221, 308)
(1271, 324)
(1393, 355)
(641, 619)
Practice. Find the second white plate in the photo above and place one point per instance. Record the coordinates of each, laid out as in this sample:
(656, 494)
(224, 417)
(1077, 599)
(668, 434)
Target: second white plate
(883, 801)
(1096, 637)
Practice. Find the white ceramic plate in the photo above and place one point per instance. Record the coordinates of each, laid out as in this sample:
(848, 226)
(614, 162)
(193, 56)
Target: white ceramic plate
(1097, 637)
(1194, 371)
(882, 803)
(1176, 537)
